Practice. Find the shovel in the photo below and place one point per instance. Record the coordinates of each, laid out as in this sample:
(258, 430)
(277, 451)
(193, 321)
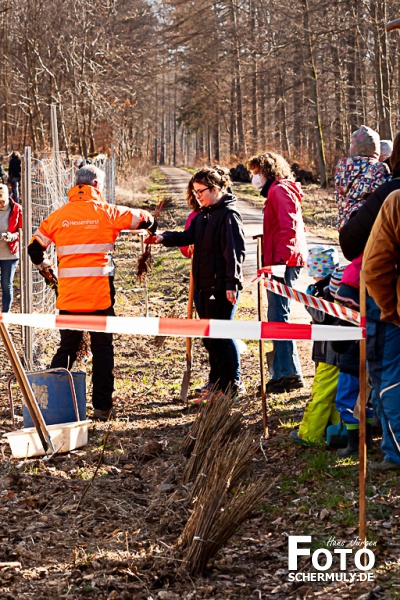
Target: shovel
(187, 373)
(27, 392)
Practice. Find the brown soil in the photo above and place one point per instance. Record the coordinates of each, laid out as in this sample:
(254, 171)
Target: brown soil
(116, 538)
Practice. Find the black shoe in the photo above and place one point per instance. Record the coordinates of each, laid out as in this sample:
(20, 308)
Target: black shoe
(284, 384)
(104, 415)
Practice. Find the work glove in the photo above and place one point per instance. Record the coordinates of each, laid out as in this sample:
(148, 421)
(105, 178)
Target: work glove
(9, 237)
(153, 239)
(153, 227)
(46, 271)
(311, 290)
(148, 222)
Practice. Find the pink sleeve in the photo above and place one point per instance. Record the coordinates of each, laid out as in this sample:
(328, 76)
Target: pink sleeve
(185, 249)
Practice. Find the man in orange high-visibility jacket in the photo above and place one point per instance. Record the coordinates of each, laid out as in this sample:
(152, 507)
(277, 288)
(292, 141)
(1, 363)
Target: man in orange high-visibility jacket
(84, 231)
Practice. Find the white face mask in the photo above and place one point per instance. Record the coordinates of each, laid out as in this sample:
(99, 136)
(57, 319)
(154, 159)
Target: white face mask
(5, 205)
(258, 181)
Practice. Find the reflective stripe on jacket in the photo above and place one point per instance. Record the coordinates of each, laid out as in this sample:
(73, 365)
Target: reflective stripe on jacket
(84, 231)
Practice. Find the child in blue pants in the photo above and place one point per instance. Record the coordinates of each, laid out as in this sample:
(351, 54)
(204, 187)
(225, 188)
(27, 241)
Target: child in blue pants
(347, 395)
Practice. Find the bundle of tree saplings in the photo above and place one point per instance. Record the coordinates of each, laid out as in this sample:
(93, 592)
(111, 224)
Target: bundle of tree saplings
(222, 499)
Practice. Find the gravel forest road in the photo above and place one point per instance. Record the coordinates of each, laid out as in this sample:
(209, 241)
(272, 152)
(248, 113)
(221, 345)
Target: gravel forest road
(177, 180)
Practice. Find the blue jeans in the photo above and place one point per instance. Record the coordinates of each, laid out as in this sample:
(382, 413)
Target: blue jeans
(383, 358)
(223, 354)
(286, 360)
(346, 398)
(7, 268)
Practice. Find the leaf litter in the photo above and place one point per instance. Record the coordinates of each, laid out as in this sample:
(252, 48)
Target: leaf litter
(104, 521)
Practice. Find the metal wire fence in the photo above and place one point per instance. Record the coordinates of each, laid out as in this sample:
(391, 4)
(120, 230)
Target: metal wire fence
(46, 183)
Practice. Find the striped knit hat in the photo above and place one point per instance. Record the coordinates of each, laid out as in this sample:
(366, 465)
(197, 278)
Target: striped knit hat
(336, 279)
(386, 149)
(322, 260)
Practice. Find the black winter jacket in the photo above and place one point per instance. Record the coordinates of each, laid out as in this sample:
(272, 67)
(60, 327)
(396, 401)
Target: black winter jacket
(323, 351)
(354, 235)
(343, 354)
(14, 168)
(219, 247)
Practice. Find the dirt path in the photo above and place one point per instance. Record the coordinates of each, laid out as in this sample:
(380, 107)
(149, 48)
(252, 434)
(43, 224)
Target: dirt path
(252, 220)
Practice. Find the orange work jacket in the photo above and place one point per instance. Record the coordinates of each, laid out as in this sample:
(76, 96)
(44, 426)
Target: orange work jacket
(84, 231)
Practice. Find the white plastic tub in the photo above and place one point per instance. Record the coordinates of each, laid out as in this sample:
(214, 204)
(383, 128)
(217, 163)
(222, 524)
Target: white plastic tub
(25, 443)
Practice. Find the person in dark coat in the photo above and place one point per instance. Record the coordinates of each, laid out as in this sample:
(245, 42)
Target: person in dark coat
(14, 174)
(219, 251)
(383, 339)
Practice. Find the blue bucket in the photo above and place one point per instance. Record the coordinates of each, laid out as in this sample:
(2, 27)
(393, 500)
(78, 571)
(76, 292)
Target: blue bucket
(52, 390)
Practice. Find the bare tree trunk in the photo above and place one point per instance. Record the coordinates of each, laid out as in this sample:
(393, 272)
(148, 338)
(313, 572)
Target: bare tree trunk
(90, 130)
(216, 138)
(315, 96)
(237, 71)
(254, 80)
(282, 103)
(232, 126)
(262, 113)
(297, 97)
(382, 70)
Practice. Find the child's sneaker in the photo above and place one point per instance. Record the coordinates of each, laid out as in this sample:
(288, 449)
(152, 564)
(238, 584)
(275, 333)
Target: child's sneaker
(199, 401)
(294, 436)
(205, 388)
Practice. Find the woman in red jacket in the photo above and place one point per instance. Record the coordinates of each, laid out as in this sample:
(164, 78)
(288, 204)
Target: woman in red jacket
(284, 243)
(10, 223)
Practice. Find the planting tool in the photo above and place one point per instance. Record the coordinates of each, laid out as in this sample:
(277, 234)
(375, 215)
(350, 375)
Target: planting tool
(395, 24)
(27, 392)
(362, 417)
(188, 372)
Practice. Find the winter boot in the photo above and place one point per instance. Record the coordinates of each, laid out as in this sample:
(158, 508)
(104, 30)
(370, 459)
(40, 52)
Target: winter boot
(336, 435)
(352, 444)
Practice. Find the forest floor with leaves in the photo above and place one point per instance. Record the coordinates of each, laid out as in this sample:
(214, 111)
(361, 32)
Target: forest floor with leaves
(66, 533)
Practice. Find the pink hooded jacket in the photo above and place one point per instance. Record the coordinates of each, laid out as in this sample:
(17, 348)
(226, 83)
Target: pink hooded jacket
(284, 236)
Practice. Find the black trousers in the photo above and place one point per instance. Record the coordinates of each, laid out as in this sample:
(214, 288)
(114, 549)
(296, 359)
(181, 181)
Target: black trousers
(223, 354)
(103, 357)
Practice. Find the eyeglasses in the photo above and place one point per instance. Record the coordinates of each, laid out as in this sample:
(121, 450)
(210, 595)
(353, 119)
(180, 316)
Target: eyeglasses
(198, 193)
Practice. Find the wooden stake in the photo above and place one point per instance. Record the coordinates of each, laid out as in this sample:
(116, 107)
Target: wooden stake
(362, 417)
(188, 372)
(261, 344)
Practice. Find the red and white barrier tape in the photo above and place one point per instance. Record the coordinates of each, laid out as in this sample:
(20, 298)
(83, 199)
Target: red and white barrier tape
(211, 328)
(336, 310)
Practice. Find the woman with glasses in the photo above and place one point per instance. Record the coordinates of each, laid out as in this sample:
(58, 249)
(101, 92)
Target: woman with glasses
(217, 236)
